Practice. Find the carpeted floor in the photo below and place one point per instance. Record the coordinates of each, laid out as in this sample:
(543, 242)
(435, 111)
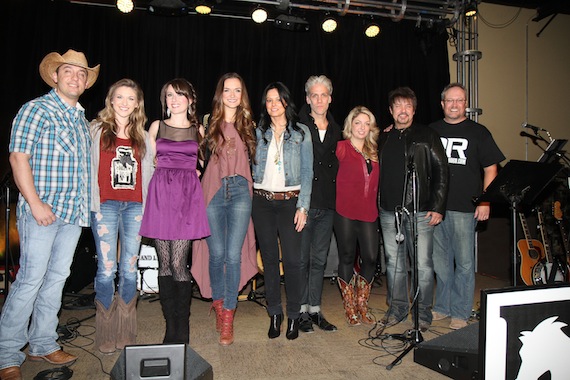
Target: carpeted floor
(349, 353)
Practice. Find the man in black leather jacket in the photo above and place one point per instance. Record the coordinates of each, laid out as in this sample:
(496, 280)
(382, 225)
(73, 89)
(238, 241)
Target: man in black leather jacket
(413, 187)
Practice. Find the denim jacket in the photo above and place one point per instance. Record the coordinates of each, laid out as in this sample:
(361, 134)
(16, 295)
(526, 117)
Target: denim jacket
(297, 159)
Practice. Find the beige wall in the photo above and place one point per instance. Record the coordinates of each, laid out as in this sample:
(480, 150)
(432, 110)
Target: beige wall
(502, 78)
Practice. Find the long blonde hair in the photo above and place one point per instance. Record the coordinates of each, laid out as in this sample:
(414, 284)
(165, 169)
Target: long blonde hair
(370, 148)
(137, 119)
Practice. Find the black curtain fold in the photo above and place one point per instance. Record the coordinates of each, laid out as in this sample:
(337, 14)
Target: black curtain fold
(154, 49)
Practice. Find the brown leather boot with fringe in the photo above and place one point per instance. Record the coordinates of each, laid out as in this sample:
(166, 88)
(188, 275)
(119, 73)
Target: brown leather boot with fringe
(126, 322)
(105, 327)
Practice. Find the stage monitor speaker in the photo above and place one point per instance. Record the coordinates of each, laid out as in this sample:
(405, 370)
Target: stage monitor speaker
(162, 361)
(454, 354)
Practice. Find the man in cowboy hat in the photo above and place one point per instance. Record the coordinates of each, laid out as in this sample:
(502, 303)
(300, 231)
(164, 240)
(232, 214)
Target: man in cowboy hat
(49, 155)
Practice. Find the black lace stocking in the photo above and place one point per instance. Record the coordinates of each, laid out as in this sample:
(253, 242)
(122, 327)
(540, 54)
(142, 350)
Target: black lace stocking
(173, 258)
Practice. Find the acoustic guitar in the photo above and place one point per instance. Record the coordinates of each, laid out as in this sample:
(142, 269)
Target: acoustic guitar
(542, 270)
(558, 215)
(530, 250)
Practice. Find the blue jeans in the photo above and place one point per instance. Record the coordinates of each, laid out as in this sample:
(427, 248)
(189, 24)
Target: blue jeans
(454, 247)
(396, 265)
(228, 215)
(116, 219)
(315, 245)
(46, 253)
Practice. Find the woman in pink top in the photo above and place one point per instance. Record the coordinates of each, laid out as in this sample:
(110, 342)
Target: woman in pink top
(227, 183)
(356, 217)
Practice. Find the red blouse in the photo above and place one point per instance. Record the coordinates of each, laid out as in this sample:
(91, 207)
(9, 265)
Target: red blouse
(356, 190)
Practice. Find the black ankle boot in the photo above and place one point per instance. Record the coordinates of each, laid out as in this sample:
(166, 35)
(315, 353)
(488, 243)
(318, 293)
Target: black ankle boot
(292, 328)
(275, 326)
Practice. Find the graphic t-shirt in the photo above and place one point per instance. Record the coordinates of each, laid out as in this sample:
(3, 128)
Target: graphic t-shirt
(470, 148)
(119, 174)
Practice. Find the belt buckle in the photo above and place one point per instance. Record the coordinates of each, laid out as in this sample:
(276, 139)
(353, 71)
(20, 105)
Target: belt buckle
(270, 195)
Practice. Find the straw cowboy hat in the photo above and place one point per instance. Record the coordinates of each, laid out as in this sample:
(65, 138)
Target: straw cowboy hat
(52, 61)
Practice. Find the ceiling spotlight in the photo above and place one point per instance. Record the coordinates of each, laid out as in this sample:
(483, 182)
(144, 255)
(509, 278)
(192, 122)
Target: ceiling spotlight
(125, 6)
(203, 8)
(329, 24)
(471, 9)
(259, 15)
(372, 30)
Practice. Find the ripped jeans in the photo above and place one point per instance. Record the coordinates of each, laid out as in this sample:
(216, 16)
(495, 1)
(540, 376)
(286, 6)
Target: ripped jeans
(116, 219)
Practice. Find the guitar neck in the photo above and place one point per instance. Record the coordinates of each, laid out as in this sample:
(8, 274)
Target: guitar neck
(526, 231)
(541, 225)
(558, 215)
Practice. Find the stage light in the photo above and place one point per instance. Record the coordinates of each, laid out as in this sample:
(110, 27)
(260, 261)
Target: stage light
(372, 30)
(125, 6)
(203, 8)
(329, 24)
(471, 9)
(259, 15)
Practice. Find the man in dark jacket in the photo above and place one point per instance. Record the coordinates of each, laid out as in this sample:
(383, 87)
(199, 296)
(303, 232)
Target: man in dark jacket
(412, 198)
(316, 239)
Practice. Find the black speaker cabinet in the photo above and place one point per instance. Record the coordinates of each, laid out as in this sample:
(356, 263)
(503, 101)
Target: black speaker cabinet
(162, 361)
(454, 354)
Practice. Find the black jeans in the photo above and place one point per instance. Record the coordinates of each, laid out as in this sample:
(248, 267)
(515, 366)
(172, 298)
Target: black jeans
(273, 219)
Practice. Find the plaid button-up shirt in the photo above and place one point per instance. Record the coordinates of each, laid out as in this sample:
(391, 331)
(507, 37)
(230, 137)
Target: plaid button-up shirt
(56, 136)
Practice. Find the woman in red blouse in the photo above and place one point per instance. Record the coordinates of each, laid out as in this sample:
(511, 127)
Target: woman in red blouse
(356, 217)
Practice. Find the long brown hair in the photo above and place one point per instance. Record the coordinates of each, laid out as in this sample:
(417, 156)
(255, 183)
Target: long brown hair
(243, 121)
(137, 119)
(182, 87)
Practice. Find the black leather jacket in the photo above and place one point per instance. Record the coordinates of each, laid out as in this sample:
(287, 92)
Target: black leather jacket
(425, 150)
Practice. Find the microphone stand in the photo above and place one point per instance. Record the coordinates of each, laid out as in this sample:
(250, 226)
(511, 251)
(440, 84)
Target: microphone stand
(412, 337)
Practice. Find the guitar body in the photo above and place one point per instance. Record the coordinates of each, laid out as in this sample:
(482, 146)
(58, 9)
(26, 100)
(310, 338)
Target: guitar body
(529, 258)
(542, 271)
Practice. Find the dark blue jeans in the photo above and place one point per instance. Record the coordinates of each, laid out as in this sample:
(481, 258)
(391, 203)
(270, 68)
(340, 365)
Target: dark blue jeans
(315, 244)
(228, 215)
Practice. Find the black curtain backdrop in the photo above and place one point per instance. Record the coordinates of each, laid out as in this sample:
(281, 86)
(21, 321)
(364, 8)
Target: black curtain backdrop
(154, 49)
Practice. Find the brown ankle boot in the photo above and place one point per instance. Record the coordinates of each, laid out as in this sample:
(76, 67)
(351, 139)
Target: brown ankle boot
(349, 301)
(126, 322)
(227, 331)
(363, 288)
(217, 306)
(105, 327)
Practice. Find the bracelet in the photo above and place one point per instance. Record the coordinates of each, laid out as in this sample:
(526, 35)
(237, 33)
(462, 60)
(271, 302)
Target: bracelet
(303, 210)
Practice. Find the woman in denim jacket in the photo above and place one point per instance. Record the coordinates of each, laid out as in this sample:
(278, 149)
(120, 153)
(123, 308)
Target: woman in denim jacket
(282, 176)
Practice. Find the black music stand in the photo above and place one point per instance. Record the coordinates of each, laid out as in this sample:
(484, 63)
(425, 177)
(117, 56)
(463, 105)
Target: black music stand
(519, 182)
(553, 151)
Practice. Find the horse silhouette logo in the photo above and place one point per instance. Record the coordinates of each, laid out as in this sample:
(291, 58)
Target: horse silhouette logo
(544, 349)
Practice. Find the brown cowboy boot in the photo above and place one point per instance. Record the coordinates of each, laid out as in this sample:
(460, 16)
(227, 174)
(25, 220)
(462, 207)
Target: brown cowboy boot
(105, 327)
(363, 288)
(348, 301)
(126, 322)
(227, 331)
(217, 306)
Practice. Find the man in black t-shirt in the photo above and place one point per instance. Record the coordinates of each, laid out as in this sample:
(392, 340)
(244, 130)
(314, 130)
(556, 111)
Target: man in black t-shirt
(473, 157)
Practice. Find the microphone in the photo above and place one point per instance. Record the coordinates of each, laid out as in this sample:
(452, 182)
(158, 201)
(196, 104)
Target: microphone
(534, 128)
(532, 137)
(399, 235)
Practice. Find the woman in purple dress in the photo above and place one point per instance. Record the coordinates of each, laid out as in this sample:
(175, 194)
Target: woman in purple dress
(175, 212)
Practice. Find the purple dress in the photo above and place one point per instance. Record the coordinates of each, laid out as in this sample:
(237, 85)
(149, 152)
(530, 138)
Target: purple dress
(175, 207)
